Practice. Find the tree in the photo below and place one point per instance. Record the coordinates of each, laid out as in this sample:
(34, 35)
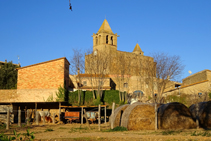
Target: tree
(8, 76)
(168, 68)
(97, 67)
(77, 68)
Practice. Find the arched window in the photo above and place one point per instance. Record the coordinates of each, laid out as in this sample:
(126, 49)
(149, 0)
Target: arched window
(106, 39)
(112, 40)
(99, 39)
(96, 40)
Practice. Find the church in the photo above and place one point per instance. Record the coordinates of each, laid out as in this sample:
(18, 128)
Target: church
(124, 71)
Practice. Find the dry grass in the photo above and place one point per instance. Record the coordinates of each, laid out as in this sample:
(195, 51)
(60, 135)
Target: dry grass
(204, 113)
(175, 116)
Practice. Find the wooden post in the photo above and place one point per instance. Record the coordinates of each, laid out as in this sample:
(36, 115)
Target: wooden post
(37, 118)
(82, 115)
(105, 114)
(112, 116)
(25, 113)
(197, 115)
(156, 117)
(27, 118)
(87, 122)
(43, 119)
(53, 118)
(99, 117)
(59, 111)
(19, 117)
(8, 119)
(35, 111)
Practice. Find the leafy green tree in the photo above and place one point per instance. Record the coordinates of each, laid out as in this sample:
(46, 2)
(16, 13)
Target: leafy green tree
(8, 76)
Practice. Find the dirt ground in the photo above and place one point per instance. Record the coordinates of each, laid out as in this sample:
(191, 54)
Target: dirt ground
(78, 132)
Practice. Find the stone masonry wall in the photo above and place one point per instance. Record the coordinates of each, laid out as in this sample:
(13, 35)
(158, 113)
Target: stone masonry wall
(200, 76)
(7, 95)
(46, 75)
(28, 95)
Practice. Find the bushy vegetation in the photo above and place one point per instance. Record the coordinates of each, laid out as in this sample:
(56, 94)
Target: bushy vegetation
(8, 76)
(108, 97)
(28, 136)
(118, 128)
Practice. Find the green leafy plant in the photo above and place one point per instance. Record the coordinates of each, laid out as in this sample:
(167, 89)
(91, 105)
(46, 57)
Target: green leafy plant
(3, 126)
(60, 94)
(27, 136)
(49, 129)
(118, 128)
(210, 95)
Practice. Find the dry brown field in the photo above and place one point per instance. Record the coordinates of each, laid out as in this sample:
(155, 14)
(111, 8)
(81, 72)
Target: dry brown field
(78, 132)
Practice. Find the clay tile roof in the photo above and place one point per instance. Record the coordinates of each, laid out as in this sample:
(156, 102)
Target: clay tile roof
(137, 48)
(105, 28)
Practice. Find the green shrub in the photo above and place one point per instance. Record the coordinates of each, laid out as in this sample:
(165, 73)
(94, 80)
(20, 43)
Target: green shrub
(60, 94)
(108, 97)
(118, 128)
(210, 95)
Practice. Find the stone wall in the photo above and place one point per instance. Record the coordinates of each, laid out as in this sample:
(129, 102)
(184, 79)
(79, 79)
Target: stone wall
(199, 87)
(28, 95)
(8, 95)
(46, 75)
(197, 77)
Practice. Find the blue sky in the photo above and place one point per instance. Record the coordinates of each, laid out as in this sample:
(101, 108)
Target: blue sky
(42, 30)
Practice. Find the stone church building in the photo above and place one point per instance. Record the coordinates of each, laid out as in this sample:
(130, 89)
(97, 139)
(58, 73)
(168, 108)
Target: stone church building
(129, 71)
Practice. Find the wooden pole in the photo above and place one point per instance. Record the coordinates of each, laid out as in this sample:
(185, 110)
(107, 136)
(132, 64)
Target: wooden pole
(35, 111)
(156, 117)
(53, 118)
(112, 116)
(43, 119)
(19, 117)
(197, 115)
(59, 111)
(27, 118)
(82, 115)
(8, 119)
(37, 118)
(25, 113)
(99, 117)
(105, 114)
(87, 122)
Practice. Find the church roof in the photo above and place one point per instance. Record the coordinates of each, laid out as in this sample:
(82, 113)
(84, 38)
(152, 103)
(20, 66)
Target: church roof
(105, 28)
(137, 48)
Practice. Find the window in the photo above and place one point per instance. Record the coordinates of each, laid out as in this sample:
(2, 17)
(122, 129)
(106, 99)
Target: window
(96, 40)
(125, 85)
(106, 39)
(99, 39)
(84, 83)
(112, 40)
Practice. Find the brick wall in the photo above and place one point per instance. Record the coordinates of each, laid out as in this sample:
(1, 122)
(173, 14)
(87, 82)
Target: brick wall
(46, 75)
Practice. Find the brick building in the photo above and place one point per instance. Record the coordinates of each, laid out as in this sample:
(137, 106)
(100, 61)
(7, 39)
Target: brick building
(39, 82)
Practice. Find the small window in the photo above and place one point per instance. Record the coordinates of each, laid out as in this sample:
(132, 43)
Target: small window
(84, 83)
(96, 40)
(112, 40)
(125, 85)
(106, 39)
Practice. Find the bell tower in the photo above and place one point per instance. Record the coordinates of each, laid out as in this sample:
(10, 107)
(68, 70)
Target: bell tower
(105, 39)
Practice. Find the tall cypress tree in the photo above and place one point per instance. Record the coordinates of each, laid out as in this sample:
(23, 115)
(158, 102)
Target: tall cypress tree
(8, 76)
